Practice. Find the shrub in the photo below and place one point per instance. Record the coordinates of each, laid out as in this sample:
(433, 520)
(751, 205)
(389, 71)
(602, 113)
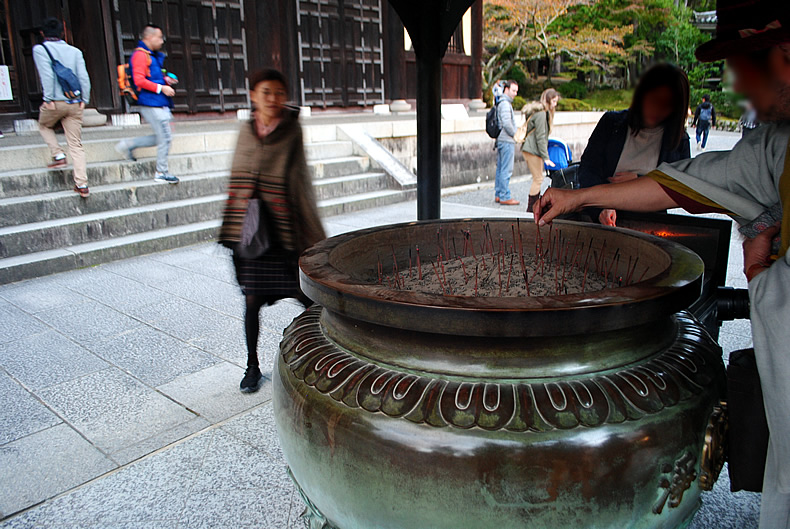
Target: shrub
(519, 102)
(573, 89)
(518, 74)
(570, 104)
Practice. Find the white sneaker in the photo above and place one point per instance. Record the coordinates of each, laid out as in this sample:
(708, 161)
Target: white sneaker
(125, 151)
(166, 177)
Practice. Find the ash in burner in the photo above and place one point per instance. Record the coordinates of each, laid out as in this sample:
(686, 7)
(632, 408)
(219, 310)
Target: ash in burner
(485, 266)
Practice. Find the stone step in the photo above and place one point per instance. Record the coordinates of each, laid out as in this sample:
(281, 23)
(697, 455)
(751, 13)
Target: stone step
(328, 149)
(61, 233)
(42, 180)
(62, 204)
(93, 253)
(332, 167)
(350, 204)
(31, 157)
(342, 186)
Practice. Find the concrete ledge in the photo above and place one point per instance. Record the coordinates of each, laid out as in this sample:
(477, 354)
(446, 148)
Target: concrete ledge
(60, 233)
(378, 155)
(49, 262)
(22, 157)
(111, 197)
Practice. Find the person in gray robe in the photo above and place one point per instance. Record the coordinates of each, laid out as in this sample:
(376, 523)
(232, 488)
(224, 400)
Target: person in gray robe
(752, 184)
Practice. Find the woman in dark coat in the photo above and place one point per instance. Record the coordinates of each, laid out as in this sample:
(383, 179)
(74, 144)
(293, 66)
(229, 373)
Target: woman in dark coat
(630, 143)
(269, 164)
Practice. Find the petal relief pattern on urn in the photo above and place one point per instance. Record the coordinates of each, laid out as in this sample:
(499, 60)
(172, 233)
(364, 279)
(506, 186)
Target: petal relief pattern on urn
(675, 375)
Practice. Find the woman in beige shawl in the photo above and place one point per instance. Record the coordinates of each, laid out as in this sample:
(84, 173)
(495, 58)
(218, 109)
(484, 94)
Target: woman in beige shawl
(269, 164)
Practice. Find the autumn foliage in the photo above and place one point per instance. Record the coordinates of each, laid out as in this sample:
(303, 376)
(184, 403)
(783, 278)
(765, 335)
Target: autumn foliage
(594, 38)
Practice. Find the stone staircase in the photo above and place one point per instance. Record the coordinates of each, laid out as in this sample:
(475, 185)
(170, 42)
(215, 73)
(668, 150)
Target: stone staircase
(45, 227)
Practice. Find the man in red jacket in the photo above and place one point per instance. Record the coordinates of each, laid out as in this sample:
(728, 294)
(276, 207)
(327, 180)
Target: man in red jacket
(154, 87)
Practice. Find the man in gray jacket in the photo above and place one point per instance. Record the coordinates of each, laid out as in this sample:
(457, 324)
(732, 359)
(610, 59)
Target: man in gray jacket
(57, 106)
(505, 145)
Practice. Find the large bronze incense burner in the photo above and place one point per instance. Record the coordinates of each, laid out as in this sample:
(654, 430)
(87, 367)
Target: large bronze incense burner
(410, 397)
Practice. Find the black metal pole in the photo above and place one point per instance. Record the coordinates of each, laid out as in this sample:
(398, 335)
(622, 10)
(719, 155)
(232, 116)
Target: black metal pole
(429, 134)
(430, 25)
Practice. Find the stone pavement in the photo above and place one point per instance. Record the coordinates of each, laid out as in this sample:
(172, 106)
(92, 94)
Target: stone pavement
(119, 401)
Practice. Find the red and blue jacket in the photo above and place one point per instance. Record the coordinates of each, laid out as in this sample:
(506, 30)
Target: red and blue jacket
(148, 77)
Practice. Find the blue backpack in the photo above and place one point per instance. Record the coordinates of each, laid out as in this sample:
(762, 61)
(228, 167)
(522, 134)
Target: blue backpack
(68, 81)
(705, 113)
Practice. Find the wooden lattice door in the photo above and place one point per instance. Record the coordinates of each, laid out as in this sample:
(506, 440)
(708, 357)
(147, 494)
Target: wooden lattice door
(341, 59)
(205, 47)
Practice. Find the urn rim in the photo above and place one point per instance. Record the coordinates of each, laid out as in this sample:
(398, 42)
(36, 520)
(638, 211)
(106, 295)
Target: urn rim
(658, 296)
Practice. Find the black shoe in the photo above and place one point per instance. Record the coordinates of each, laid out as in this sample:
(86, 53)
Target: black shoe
(251, 381)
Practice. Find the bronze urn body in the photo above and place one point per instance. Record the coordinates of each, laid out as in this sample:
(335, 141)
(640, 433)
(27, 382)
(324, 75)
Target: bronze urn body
(413, 410)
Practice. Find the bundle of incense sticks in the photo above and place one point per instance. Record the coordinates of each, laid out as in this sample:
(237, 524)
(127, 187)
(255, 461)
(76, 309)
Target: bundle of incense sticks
(561, 260)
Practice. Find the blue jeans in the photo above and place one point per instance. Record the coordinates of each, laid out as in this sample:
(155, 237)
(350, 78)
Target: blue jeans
(159, 118)
(703, 129)
(504, 169)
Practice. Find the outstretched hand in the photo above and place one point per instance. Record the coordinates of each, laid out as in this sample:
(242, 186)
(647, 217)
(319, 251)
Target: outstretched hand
(757, 252)
(555, 202)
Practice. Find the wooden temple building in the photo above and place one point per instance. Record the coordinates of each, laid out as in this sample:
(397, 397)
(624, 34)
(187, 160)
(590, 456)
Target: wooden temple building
(336, 53)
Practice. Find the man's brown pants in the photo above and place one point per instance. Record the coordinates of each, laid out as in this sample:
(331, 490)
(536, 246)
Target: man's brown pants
(70, 116)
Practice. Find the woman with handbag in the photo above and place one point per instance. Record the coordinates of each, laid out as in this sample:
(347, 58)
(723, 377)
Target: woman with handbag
(536, 144)
(271, 215)
(631, 143)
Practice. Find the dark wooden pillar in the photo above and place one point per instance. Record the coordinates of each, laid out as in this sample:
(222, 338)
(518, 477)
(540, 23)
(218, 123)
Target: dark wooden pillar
(431, 24)
(272, 39)
(394, 55)
(476, 77)
(91, 32)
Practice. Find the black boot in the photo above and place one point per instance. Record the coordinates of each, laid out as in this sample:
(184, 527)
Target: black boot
(532, 200)
(252, 380)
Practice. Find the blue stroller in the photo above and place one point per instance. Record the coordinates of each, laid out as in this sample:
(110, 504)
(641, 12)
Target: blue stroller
(563, 174)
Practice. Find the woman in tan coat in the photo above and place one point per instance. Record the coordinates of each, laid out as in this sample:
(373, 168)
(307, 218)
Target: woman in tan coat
(269, 164)
(536, 146)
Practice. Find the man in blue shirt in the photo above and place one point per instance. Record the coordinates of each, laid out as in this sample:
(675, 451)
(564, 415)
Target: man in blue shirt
(505, 145)
(57, 106)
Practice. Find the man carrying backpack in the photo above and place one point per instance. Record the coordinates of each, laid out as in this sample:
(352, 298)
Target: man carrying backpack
(505, 145)
(704, 118)
(155, 92)
(60, 106)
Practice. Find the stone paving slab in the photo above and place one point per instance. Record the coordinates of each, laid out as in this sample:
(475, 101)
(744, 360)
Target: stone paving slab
(151, 356)
(207, 392)
(213, 479)
(46, 359)
(21, 413)
(45, 463)
(88, 321)
(113, 410)
(15, 324)
(48, 293)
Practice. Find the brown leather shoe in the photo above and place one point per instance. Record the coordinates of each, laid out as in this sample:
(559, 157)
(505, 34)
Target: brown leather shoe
(511, 202)
(54, 164)
(531, 203)
(83, 191)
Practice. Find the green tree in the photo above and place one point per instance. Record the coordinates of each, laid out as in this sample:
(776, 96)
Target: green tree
(519, 30)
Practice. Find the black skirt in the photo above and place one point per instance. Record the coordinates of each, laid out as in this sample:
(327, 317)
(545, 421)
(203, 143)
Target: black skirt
(274, 276)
